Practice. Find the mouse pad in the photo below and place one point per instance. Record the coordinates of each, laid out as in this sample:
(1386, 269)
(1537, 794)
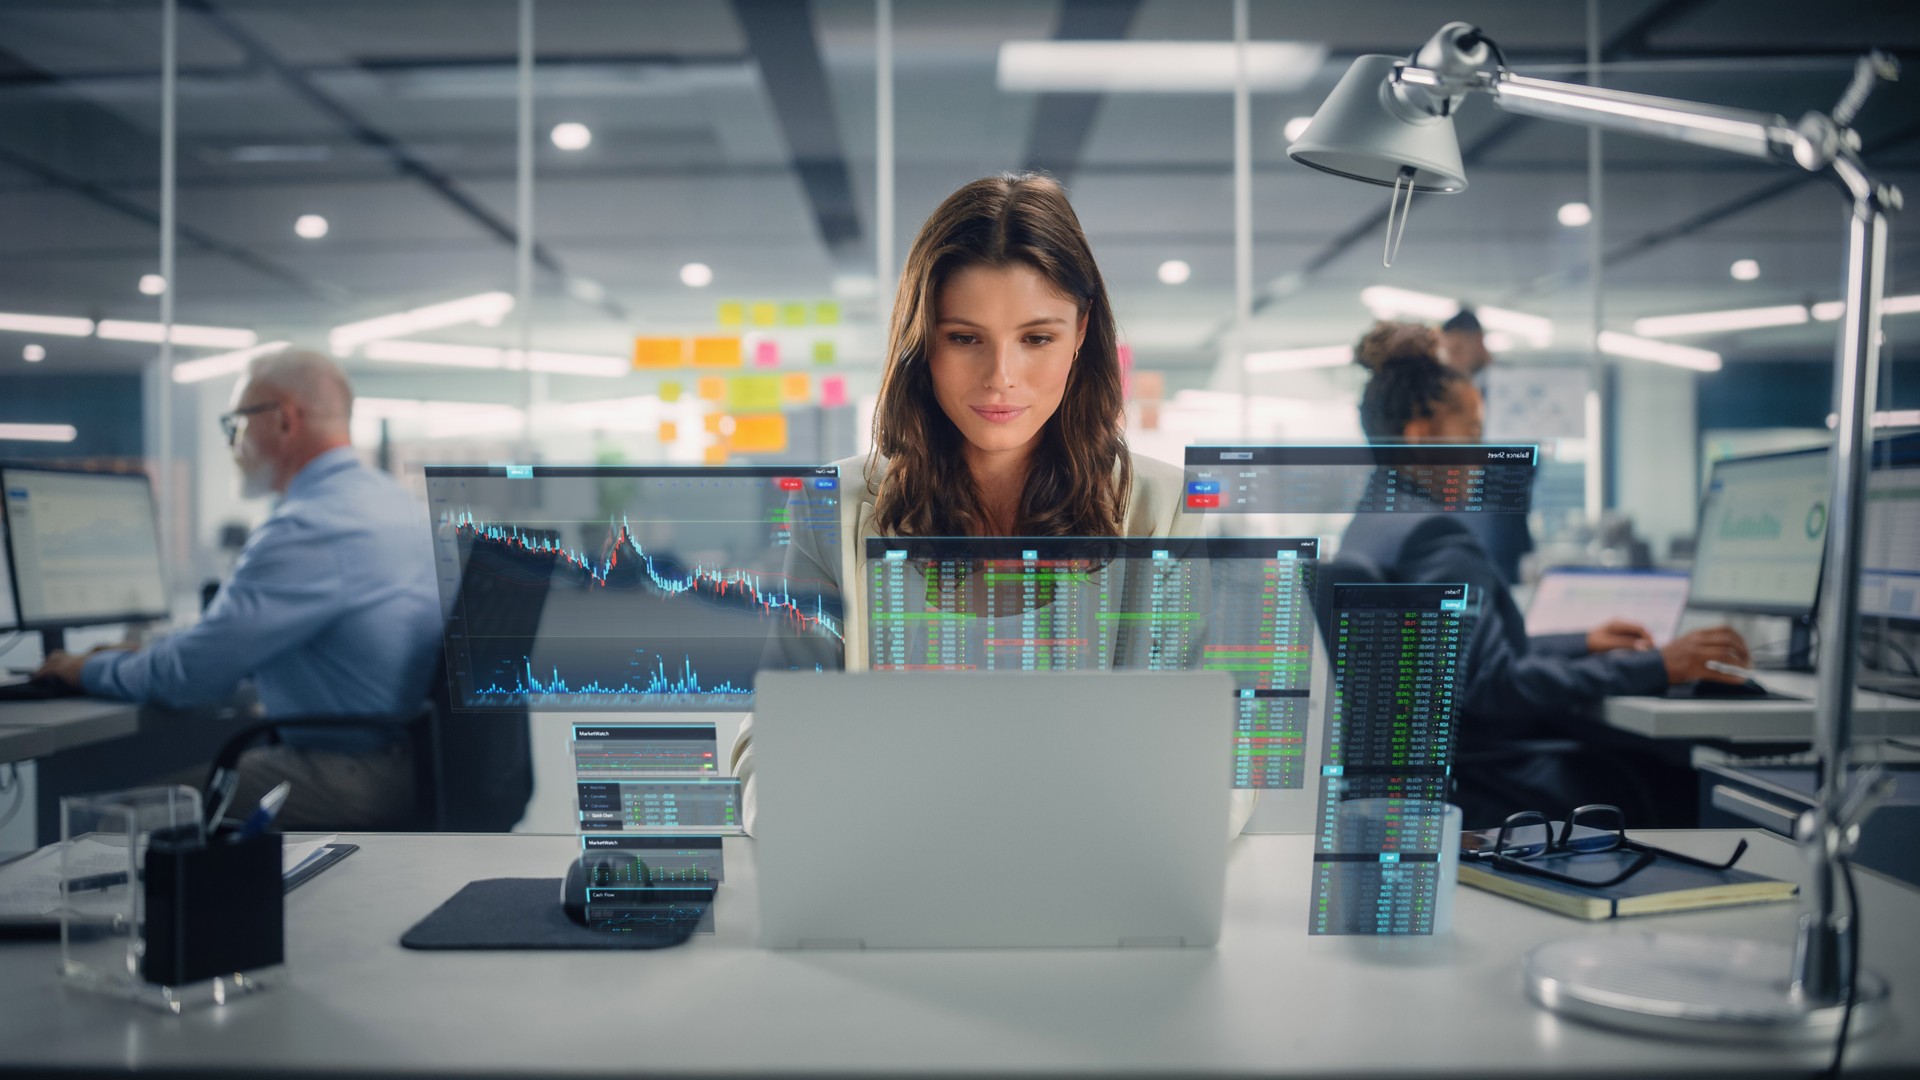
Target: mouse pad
(521, 913)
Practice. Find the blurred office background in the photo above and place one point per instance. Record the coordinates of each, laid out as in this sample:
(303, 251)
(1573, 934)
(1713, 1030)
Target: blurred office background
(654, 231)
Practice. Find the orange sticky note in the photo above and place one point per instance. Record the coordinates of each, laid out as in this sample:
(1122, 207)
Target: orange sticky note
(718, 423)
(795, 388)
(712, 388)
(717, 454)
(656, 352)
(716, 352)
(669, 431)
(763, 434)
(833, 391)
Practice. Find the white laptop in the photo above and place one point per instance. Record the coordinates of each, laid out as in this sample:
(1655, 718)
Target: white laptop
(1575, 599)
(993, 809)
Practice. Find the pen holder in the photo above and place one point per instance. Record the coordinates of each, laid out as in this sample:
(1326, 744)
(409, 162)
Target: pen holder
(153, 910)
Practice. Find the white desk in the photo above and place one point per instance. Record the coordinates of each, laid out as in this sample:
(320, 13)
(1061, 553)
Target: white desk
(1875, 715)
(32, 729)
(1268, 1000)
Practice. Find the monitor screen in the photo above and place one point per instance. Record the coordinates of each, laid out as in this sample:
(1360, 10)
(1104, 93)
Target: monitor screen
(1890, 559)
(620, 589)
(85, 547)
(1763, 526)
(9, 611)
(1573, 600)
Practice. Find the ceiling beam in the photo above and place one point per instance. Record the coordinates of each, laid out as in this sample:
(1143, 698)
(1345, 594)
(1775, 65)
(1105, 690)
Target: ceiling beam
(781, 37)
(1062, 121)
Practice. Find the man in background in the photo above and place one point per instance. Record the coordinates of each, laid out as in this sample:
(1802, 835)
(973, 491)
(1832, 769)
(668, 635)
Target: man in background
(332, 607)
(1506, 538)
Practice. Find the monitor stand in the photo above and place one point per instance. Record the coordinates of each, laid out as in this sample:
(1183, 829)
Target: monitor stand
(52, 641)
(1799, 645)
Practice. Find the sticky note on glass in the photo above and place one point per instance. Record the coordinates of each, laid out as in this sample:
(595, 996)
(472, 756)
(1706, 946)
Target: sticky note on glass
(765, 434)
(659, 352)
(717, 454)
(670, 392)
(794, 314)
(796, 389)
(712, 388)
(669, 431)
(732, 313)
(766, 353)
(716, 352)
(833, 391)
(718, 424)
(764, 314)
(826, 313)
(754, 393)
(823, 352)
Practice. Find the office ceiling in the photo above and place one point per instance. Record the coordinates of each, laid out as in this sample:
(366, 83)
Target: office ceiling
(740, 134)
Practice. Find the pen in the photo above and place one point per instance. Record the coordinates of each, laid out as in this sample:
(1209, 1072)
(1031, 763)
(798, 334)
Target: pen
(269, 808)
(95, 881)
(220, 791)
(1734, 670)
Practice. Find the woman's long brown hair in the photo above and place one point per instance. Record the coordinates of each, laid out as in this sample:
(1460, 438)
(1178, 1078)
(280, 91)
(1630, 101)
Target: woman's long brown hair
(1080, 475)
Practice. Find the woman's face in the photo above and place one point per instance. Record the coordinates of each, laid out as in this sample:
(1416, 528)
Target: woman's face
(1003, 344)
(1458, 419)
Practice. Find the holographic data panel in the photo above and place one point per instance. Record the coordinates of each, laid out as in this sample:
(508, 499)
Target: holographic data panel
(1370, 479)
(666, 589)
(1238, 605)
(1395, 654)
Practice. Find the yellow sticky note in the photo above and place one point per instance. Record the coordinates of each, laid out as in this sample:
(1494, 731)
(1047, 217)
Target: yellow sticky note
(796, 389)
(754, 393)
(827, 313)
(712, 388)
(717, 454)
(732, 313)
(764, 434)
(670, 392)
(669, 431)
(793, 314)
(823, 352)
(764, 314)
(659, 352)
(716, 352)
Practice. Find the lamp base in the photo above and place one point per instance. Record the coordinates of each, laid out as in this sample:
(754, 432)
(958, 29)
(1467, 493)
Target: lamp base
(1691, 986)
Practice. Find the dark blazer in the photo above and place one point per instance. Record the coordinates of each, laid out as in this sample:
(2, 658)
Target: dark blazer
(1516, 687)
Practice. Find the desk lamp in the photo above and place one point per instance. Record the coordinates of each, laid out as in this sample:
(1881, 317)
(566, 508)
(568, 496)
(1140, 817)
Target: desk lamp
(1390, 122)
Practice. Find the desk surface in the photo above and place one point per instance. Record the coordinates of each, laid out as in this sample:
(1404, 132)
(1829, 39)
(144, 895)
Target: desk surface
(31, 729)
(1268, 1000)
(1875, 715)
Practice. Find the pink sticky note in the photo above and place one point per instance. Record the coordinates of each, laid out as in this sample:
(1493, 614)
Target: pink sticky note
(1126, 370)
(766, 353)
(833, 391)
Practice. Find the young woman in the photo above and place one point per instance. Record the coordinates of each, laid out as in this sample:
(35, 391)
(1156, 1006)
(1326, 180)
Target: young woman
(1000, 412)
(1520, 690)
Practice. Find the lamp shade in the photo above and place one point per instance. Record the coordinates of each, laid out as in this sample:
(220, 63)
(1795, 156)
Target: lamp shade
(1361, 134)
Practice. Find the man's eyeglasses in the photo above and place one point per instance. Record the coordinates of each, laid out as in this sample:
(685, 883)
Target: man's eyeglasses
(1527, 839)
(230, 422)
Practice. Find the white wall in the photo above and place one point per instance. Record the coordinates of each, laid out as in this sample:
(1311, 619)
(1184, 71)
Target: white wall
(1657, 475)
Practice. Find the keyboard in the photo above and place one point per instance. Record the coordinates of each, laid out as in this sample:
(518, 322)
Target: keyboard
(37, 690)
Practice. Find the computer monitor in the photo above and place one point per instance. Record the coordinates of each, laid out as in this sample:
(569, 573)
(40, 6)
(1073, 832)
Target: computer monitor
(1575, 599)
(1763, 527)
(9, 611)
(84, 548)
(664, 589)
(1890, 559)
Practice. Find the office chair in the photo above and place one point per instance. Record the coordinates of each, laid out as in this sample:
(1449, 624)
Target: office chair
(473, 771)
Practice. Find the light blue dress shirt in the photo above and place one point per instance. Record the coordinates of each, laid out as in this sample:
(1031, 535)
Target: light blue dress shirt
(333, 609)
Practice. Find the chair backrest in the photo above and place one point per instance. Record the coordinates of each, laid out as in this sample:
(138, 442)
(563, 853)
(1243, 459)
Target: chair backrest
(481, 772)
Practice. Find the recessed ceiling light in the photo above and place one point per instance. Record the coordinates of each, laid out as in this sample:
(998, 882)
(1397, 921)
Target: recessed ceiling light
(152, 284)
(1175, 272)
(310, 226)
(697, 275)
(1745, 269)
(33, 354)
(1297, 127)
(572, 136)
(1575, 214)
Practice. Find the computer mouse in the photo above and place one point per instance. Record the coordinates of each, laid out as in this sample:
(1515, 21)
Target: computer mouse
(598, 868)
